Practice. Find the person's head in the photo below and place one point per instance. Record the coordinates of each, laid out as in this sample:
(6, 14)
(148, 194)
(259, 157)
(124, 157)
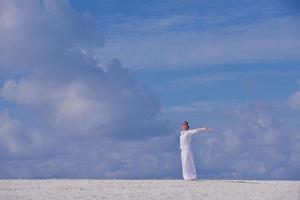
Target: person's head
(185, 125)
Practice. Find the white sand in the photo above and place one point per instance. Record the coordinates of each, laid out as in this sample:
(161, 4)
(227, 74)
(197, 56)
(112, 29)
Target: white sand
(148, 189)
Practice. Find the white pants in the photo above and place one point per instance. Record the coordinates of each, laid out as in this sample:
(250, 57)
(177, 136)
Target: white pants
(188, 166)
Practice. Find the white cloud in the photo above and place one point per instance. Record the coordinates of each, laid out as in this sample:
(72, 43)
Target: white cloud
(295, 101)
(203, 79)
(69, 104)
(65, 109)
(22, 93)
(253, 149)
(60, 78)
(202, 106)
(8, 127)
(8, 14)
(193, 107)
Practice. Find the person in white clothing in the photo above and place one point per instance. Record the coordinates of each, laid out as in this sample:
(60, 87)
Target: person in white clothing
(188, 166)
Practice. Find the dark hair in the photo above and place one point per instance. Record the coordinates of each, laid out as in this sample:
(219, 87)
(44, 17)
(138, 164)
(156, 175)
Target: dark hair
(185, 122)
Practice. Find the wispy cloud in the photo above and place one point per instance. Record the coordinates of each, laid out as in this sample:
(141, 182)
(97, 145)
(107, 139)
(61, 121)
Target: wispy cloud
(201, 106)
(181, 41)
(205, 79)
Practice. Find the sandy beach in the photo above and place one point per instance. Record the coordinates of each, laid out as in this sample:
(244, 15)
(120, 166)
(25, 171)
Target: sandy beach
(148, 189)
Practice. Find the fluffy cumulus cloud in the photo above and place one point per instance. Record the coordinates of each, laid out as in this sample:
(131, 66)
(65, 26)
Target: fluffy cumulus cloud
(64, 114)
(258, 146)
(294, 100)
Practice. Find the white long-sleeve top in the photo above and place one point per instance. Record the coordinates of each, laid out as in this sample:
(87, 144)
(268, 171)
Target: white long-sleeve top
(185, 137)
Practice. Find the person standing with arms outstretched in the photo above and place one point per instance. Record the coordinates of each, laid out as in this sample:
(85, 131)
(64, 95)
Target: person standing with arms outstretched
(187, 160)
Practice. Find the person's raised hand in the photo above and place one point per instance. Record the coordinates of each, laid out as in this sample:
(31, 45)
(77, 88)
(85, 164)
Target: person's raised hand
(208, 129)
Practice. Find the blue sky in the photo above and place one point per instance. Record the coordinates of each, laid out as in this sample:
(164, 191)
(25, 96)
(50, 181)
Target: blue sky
(104, 85)
(146, 26)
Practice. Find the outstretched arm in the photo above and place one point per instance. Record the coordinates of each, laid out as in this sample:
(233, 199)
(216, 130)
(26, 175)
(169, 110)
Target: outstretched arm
(199, 130)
